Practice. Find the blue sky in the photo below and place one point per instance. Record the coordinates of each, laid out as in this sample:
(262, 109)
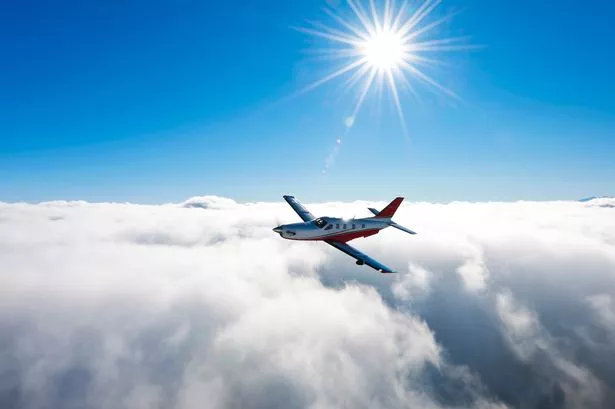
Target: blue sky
(156, 101)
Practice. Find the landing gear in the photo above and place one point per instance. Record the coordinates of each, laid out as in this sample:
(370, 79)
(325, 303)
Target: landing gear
(360, 262)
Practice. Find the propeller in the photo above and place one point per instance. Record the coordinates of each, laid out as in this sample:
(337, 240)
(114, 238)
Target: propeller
(277, 224)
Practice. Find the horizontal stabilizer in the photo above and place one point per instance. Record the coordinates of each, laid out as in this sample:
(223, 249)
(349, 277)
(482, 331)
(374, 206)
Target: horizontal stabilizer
(402, 228)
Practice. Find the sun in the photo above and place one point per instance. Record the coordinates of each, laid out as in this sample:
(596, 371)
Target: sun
(384, 51)
(390, 47)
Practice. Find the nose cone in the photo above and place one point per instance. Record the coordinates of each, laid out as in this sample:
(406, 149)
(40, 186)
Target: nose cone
(277, 229)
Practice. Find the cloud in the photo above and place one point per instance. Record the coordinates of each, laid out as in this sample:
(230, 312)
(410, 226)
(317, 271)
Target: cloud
(570, 380)
(209, 202)
(413, 285)
(200, 304)
(473, 271)
(607, 202)
(604, 308)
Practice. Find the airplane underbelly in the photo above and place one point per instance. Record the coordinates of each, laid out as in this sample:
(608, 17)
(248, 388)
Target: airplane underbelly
(345, 235)
(307, 235)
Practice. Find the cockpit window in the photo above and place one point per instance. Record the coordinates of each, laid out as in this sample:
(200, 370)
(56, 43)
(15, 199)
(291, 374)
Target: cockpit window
(320, 223)
(329, 227)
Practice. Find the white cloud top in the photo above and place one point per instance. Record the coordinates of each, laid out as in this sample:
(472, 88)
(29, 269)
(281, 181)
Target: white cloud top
(201, 305)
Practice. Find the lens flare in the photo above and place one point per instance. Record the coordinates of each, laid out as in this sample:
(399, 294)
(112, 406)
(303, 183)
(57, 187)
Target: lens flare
(385, 48)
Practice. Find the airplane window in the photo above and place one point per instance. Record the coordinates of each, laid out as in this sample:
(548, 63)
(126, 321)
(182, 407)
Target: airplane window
(329, 227)
(337, 226)
(363, 225)
(344, 226)
(320, 223)
(353, 225)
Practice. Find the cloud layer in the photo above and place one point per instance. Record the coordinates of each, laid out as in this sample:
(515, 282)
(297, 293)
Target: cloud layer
(199, 305)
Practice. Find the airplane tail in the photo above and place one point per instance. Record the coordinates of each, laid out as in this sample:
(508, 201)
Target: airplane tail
(400, 227)
(388, 211)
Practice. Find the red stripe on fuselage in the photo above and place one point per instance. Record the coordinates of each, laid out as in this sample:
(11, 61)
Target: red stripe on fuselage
(346, 236)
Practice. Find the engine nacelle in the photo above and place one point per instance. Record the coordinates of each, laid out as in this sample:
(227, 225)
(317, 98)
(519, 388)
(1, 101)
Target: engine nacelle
(360, 262)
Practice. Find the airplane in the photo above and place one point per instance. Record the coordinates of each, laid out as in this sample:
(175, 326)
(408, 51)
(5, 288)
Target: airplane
(337, 232)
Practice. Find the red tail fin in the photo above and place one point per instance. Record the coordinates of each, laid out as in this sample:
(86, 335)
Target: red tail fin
(391, 208)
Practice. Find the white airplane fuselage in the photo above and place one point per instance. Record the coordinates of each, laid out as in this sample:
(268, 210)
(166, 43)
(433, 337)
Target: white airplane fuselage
(331, 228)
(337, 232)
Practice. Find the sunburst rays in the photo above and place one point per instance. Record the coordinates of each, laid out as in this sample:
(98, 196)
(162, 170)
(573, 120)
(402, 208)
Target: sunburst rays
(386, 48)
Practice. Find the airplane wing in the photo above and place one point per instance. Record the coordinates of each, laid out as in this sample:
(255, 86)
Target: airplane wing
(305, 215)
(352, 252)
